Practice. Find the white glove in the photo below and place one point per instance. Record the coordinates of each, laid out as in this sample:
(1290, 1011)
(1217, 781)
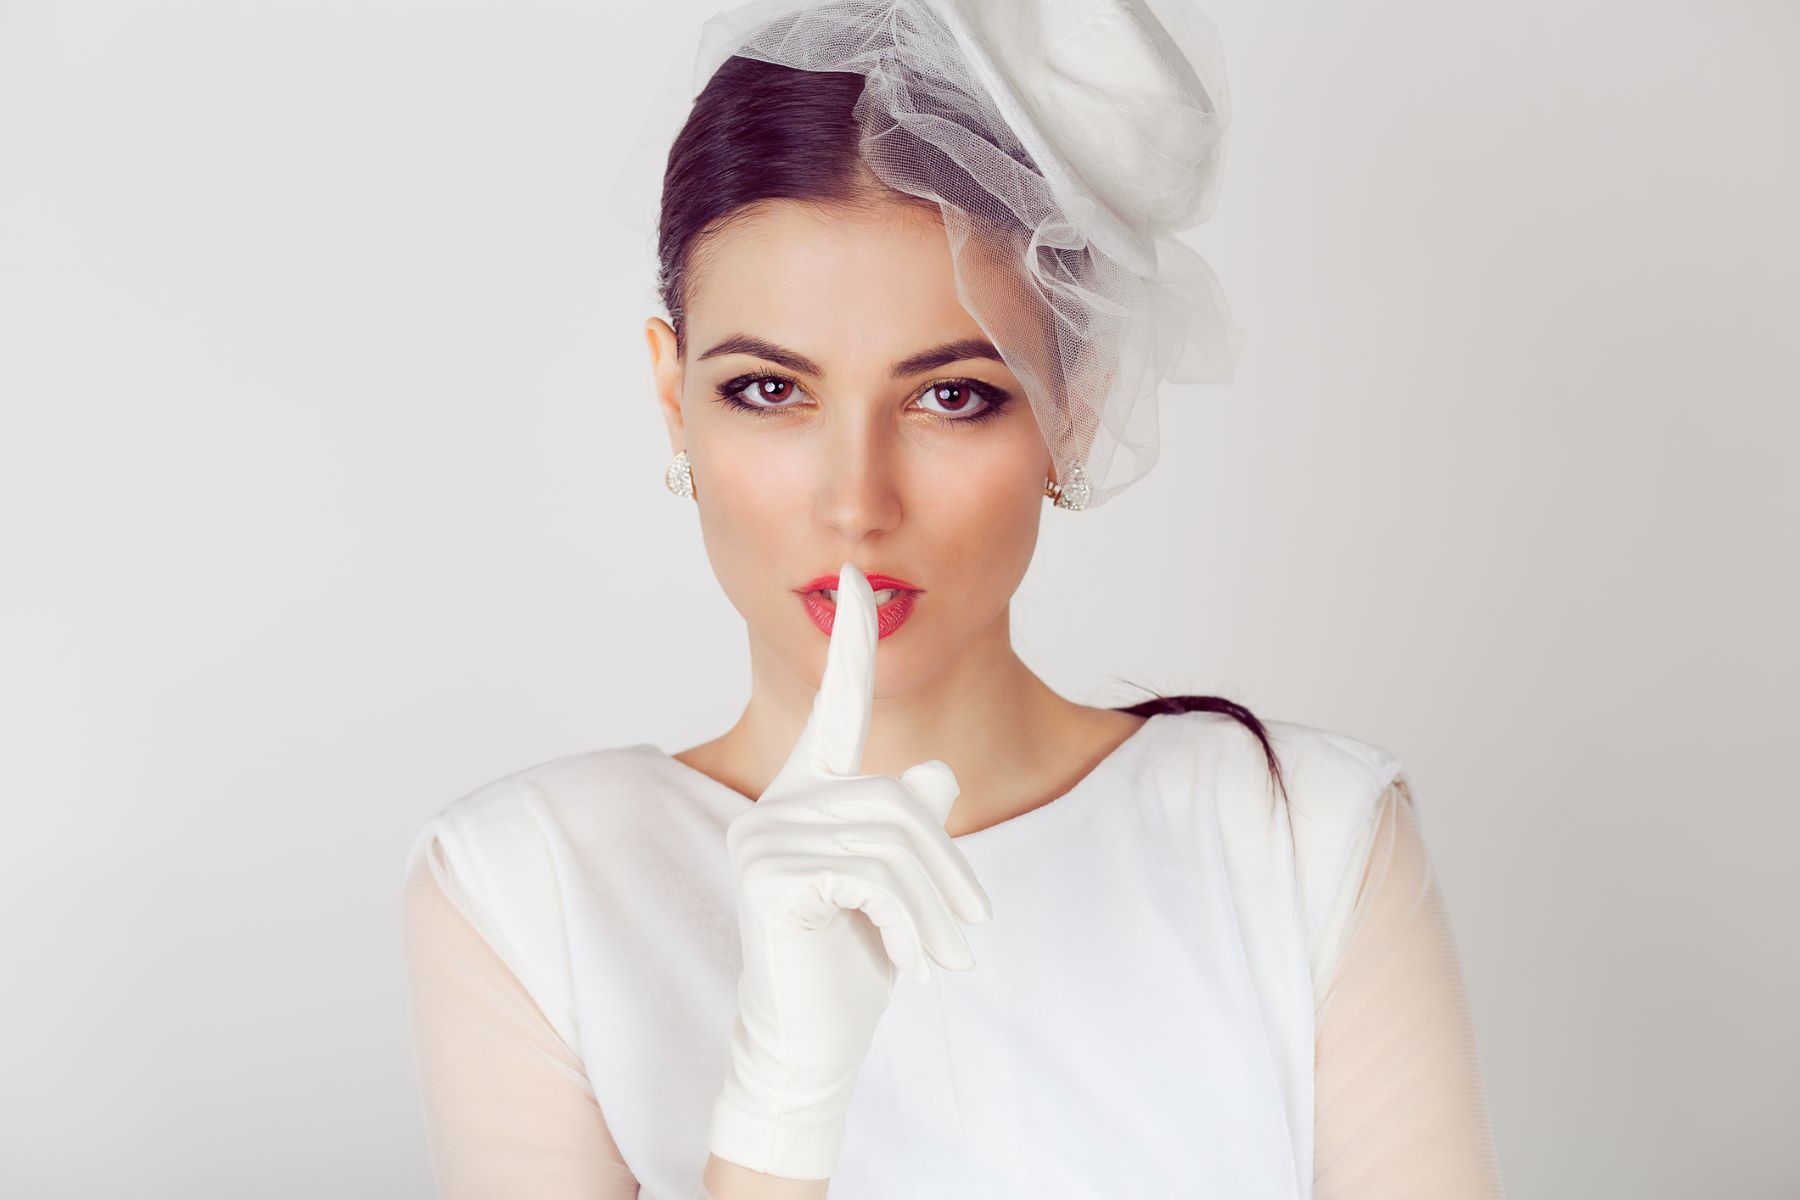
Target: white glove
(821, 843)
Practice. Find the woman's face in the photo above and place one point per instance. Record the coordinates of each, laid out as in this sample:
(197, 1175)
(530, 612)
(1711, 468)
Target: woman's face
(932, 473)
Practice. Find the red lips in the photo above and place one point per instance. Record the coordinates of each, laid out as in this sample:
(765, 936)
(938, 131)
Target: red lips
(888, 617)
(876, 583)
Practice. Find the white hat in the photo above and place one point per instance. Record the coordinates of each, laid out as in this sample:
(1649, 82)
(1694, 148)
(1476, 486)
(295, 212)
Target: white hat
(1088, 132)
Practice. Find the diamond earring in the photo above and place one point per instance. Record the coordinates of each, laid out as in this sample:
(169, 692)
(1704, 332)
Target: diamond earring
(679, 478)
(1072, 495)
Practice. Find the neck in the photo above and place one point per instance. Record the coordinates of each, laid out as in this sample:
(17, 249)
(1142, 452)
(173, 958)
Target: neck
(1004, 732)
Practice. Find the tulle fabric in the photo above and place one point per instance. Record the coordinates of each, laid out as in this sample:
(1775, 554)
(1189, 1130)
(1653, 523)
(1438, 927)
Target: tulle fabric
(509, 1112)
(1401, 1107)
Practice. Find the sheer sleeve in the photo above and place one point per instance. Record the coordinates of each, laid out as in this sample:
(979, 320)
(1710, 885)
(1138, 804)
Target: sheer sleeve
(509, 1111)
(1401, 1106)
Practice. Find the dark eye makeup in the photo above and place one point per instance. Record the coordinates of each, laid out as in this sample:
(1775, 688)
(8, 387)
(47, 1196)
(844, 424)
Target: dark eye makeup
(994, 399)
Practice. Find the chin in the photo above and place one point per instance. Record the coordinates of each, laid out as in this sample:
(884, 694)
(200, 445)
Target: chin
(903, 660)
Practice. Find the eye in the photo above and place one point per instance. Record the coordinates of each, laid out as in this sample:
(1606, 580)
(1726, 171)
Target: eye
(772, 388)
(961, 395)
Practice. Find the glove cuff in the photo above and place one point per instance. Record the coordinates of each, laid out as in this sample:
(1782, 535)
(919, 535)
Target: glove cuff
(788, 1146)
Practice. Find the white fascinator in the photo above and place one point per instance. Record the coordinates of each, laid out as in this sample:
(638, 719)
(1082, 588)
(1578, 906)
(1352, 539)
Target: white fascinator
(1066, 143)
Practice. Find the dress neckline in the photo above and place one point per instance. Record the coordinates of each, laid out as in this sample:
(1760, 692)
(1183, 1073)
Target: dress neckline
(1126, 749)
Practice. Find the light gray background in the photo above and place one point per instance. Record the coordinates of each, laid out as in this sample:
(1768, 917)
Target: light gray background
(332, 489)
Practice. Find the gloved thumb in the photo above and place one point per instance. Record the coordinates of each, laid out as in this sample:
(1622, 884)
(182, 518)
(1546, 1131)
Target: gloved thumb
(935, 783)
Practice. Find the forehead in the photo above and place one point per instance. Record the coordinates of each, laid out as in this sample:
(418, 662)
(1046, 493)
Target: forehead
(839, 284)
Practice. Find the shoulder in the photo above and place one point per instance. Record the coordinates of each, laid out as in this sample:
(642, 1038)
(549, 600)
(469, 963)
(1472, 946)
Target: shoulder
(1328, 774)
(501, 837)
(499, 852)
(1331, 775)
(518, 814)
(1314, 824)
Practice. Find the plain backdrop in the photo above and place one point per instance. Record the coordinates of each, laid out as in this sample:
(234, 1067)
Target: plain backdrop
(331, 481)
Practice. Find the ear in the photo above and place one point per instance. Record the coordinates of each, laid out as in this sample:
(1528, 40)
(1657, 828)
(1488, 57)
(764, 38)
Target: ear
(665, 367)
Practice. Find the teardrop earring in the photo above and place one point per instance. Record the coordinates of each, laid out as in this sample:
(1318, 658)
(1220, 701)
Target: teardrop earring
(679, 477)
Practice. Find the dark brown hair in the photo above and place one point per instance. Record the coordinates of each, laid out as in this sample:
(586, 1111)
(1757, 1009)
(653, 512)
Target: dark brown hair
(760, 132)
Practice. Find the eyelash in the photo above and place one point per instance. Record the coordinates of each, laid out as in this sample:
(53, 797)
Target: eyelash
(994, 399)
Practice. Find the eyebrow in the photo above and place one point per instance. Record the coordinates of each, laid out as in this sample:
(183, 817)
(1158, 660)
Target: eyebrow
(793, 360)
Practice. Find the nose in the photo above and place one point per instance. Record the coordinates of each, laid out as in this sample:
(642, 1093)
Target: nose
(857, 492)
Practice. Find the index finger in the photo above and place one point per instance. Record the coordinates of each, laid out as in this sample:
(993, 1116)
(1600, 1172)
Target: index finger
(841, 710)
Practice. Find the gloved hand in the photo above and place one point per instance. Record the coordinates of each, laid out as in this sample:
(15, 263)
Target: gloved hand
(840, 879)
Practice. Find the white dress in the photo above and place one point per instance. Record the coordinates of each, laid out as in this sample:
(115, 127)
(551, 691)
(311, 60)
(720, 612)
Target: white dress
(1147, 1016)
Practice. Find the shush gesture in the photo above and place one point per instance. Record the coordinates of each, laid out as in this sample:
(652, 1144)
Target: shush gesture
(841, 881)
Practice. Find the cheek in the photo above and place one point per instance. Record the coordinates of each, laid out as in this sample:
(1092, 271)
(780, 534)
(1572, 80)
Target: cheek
(980, 514)
(747, 524)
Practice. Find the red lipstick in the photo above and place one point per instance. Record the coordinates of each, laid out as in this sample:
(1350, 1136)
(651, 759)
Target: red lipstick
(888, 617)
(876, 583)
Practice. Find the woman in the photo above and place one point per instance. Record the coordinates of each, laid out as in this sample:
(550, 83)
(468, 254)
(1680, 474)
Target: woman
(1183, 951)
